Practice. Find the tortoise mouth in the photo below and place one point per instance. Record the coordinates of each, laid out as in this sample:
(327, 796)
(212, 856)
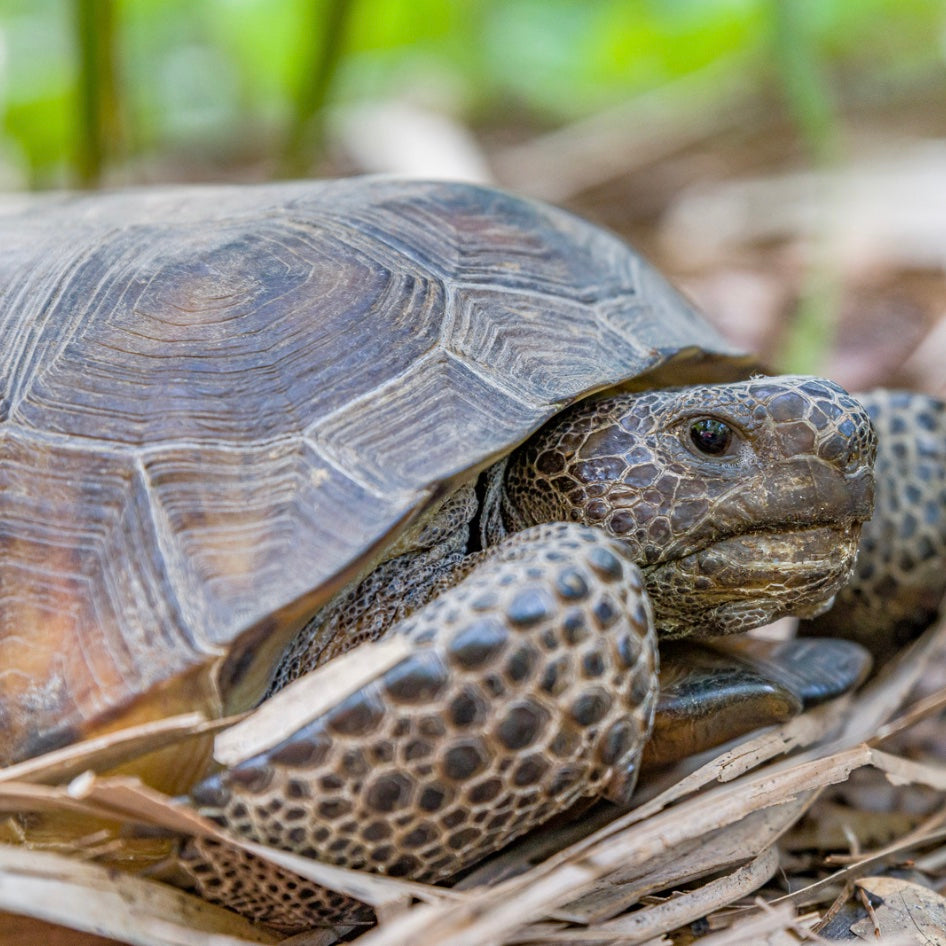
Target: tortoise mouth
(752, 578)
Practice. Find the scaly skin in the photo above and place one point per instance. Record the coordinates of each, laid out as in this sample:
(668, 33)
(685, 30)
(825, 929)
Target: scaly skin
(727, 542)
(532, 685)
(899, 578)
(532, 681)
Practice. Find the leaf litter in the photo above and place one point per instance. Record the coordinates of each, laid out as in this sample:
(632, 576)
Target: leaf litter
(686, 864)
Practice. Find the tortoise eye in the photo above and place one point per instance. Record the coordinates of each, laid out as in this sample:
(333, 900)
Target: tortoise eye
(710, 436)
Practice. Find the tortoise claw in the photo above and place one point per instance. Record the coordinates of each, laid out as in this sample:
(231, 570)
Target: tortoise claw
(714, 691)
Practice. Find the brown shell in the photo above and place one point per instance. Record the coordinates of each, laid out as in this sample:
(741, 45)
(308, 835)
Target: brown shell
(217, 402)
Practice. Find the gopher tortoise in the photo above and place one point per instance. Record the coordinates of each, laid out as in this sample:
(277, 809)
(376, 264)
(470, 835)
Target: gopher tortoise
(245, 429)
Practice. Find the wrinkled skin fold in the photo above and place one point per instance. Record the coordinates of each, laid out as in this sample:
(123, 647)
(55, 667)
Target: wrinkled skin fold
(752, 579)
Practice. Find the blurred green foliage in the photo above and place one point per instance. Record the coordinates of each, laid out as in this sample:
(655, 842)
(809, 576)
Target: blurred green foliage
(241, 81)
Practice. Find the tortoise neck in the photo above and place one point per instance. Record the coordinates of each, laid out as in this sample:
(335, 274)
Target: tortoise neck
(493, 524)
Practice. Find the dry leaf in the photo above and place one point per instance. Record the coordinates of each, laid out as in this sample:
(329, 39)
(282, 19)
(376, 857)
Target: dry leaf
(908, 910)
(696, 857)
(681, 909)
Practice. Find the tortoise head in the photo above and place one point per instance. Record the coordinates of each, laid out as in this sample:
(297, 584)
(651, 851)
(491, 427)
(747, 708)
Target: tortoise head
(742, 502)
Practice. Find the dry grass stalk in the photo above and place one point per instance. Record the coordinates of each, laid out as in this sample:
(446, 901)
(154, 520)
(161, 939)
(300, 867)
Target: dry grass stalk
(110, 750)
(489, 916)
(769, 926)
(309, 696)
(114, 904)
(678, 910)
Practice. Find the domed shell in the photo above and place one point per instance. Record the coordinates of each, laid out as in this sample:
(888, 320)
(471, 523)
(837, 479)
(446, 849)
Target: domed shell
(217, 402)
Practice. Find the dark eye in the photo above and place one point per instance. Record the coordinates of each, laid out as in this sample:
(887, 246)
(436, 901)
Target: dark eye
(710, 436)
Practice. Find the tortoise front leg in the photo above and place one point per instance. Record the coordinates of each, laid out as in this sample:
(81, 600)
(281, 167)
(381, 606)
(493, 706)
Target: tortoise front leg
(531, 685)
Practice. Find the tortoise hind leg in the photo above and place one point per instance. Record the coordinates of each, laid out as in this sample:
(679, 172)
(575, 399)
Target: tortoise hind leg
(531, 685)
(900, 575)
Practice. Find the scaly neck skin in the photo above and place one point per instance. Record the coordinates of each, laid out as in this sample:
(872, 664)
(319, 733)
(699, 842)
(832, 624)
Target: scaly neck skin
(741, 502)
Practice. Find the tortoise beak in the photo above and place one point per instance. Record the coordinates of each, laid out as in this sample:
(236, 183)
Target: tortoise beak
(813, 490)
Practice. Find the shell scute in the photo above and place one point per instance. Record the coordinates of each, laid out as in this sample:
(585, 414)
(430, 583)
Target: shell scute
(217, 403)
(235, 334)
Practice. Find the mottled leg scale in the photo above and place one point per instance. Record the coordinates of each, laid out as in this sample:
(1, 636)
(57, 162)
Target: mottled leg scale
(531, 685)
(900, 575)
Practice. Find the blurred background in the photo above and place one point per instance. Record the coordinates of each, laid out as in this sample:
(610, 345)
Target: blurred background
(783, 160)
